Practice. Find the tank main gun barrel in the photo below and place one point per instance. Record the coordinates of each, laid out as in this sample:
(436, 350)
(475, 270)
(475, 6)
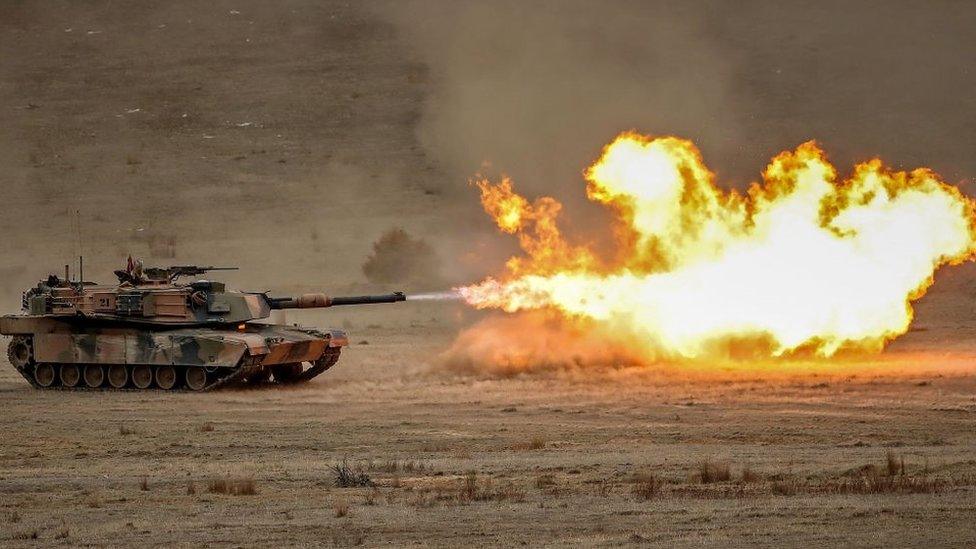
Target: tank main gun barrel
(311, 301)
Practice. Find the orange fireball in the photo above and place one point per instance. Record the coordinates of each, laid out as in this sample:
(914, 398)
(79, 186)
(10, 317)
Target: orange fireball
(800, 261)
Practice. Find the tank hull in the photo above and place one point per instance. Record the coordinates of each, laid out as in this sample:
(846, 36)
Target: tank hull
(69, 353)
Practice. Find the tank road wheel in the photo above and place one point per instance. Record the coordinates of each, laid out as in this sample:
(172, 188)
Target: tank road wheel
(118, 376)
(287, 373)
(70, 375)
(94, 375)
(44, 375)
(20, 353)
(196, 378)
(166, 376)
(142, 376)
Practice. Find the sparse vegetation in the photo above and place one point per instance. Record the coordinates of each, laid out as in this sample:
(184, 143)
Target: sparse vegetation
(369, 498)
(535, 443)
(895, 464)
(125, 431)
(750, 476)
(471, 488)
(340, 508)
(545, 480)
(144, 484)
(191, 488)
(207, 427)
(232, 486)
(345, 477)
(394, 466)
(30, 534)
(711, 471)
(646, 486)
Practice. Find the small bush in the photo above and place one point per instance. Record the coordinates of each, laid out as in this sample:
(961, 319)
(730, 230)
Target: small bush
(232, 486)
(345, 477)
(124, 431)
(340, 508)
(710, 471)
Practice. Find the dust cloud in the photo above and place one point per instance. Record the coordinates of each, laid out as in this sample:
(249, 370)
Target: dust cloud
(398, 258)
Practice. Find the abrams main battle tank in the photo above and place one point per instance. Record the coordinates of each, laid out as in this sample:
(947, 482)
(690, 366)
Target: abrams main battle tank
(151, 332)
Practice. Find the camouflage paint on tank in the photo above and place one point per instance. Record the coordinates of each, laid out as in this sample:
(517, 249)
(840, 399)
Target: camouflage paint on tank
(153, 320)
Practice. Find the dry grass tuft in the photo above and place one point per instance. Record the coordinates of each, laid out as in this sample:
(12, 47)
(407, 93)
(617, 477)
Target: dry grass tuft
(369, 498)
(232, 486)
(711, 471)
(125, 431)
(207, 427)
(895, 464)
(536, 443)
(394, 466)
(646, 486)
(340, 508)
(472, 489)
(345, 477)
(144, 484)
(749, 476)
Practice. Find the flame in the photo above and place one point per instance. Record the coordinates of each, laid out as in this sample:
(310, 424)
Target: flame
(800, 262)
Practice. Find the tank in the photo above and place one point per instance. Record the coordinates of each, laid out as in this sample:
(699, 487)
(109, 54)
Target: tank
(150, 331)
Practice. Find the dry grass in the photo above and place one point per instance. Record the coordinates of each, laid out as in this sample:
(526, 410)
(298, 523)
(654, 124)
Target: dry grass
(207, 427)
(545, 480)
(894, 464)
(750, 476)
(471, 488)
(125, 431)
(711, 471)
(232, 486)
(345, 477)
(340, 508)
(394, 466)
(646, 486)
(784, 487)
(30, 534)
(535, 443)
(369, 498)
(191, 488)
(144, 484)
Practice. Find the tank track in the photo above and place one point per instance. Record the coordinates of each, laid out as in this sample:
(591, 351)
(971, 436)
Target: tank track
(233, 375)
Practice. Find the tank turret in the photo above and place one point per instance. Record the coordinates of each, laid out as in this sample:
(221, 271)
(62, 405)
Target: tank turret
(150, 330)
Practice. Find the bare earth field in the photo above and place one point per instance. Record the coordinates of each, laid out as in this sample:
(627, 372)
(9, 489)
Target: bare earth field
(603, 458)
(286, 137)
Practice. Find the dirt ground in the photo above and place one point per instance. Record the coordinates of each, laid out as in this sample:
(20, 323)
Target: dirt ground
(556, 459)
(286, 137)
